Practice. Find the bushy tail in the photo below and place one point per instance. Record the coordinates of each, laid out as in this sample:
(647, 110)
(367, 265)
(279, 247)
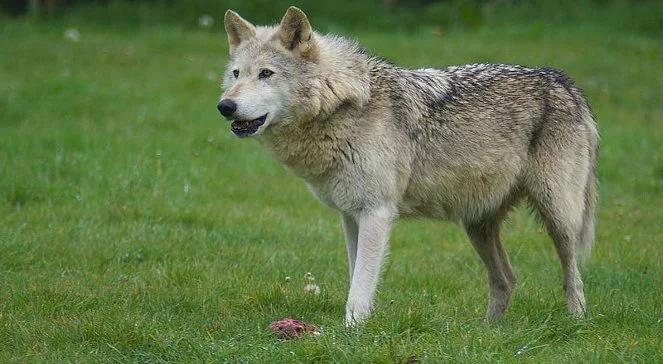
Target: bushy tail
(586, 237)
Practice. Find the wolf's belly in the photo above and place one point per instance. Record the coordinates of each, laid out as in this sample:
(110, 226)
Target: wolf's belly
(458, 193)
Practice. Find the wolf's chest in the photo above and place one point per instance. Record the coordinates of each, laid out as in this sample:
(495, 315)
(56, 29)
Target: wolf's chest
(322, 193)
(339, 191)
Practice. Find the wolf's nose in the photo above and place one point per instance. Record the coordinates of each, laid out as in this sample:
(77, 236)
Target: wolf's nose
(227, 107)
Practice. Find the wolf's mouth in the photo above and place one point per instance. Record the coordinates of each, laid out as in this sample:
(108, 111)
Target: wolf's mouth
(243, 128)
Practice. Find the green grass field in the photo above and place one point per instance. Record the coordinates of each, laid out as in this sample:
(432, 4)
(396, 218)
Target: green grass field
(135, 228)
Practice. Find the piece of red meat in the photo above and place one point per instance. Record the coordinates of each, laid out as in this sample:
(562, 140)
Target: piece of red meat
(289, 328)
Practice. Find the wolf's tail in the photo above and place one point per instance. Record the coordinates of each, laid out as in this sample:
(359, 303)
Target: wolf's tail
(587, 233)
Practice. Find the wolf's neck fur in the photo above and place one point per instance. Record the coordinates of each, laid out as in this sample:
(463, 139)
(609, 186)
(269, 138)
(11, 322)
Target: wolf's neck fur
(313, 145)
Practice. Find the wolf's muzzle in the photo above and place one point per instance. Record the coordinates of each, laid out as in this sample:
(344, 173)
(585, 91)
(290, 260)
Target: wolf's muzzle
(227, 107)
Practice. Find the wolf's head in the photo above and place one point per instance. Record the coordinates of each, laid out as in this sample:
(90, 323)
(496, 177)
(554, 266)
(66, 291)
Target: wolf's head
(272, 73)
(287, 74)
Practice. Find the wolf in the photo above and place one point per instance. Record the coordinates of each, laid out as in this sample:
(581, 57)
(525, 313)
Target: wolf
(377, 142)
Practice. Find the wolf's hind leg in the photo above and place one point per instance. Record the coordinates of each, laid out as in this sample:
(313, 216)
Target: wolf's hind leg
(563, 220)
(484, 236)
(556, 183)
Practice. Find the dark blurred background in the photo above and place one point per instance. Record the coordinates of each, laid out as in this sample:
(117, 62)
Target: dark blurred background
(402, 15)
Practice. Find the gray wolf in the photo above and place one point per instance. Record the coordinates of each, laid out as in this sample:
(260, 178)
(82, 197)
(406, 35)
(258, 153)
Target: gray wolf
(377, 142)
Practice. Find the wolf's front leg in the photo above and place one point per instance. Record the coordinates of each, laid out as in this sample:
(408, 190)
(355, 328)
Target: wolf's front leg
(351, 230)
(374, 226)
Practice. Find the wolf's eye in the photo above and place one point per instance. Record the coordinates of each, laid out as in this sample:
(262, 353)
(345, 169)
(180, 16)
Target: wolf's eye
(236, 73)
(264, 73)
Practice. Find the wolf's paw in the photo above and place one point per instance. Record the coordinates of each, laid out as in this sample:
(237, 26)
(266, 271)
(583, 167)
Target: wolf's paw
(498, 302)
(575, 300)
(496, 311)
(577, 306)
(356, 314)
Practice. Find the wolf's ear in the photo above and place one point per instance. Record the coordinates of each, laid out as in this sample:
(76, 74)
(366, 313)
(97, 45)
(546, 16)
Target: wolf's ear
(296, 35)
(237, 28)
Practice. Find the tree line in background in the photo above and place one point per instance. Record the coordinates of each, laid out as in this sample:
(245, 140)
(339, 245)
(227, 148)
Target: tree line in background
(49, 7)
(338, 15)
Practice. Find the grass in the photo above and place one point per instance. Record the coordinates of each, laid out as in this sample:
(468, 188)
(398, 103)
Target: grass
(135, 228)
